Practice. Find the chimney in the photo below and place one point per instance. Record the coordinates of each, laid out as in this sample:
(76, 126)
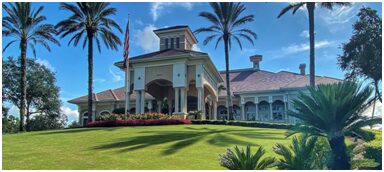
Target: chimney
(256, 59)
(302, 69)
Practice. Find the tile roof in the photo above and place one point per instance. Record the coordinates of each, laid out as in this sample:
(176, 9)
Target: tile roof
(250, 80)
(108, 95)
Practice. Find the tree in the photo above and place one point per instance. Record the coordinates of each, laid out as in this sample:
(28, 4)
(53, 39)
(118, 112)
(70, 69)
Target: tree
(362, 54)
(333, 111)
(245, 160)
(92, 20)
(45, 121)
(311, 14)
(24, 25)
(226, 22)
(42, 92)
(299, 155)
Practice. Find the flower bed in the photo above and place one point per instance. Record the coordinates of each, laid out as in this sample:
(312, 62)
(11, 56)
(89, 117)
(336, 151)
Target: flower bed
(114, 117)
(137, 122)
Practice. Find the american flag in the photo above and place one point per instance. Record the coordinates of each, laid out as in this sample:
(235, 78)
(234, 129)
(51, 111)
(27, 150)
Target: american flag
(126, 45)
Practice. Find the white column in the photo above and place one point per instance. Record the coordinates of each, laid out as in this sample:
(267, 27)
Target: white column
(257, 111)
(159, 106)
(203, 103)
(137, 95)
(142, 101)
(214, 110)
(169, 106)
(199, 99)
(242, 112)
(182, 100)
(177, 98)
(270, 108)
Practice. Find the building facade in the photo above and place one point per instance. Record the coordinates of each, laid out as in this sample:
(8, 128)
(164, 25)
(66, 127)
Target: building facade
(176, 80)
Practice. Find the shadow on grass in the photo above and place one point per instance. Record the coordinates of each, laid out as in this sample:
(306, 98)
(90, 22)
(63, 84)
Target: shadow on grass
(183, 139)
(77, 130)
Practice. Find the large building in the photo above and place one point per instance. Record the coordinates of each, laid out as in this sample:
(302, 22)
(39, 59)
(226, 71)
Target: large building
(176, 80)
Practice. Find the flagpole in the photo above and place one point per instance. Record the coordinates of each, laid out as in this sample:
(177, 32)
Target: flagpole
(127, 79)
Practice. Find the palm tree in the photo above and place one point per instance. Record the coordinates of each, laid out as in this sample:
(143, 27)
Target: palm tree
(92, 20)
(311, 14)
(226, 22)
(245, 160)
(299, 155)
(24, 25)
(333, 111)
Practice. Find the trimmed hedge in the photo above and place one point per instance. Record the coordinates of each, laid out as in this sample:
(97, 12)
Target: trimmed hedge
(373, 148)
(244, 123)
(138, 122)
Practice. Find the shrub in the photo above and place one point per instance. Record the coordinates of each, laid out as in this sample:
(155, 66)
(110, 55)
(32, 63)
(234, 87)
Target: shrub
(74, 124)
(113, 117)
(194, 115)
(245, 160)
(10, 124)
(137, 122)
(244, 123)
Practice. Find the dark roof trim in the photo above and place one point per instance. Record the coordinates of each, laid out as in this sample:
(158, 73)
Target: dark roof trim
(170, 28)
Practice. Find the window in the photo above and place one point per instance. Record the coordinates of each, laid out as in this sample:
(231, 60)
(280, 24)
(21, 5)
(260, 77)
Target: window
(177, 42)
(166, 43)
(172, 42)
(250, 111)
(263, 111)
(278, 110)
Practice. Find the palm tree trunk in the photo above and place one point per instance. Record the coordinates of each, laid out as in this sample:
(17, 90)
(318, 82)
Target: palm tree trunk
(377, 90)
(311, 11)
(341, 159)
(229, 97)
(23, 86)
(90, 75)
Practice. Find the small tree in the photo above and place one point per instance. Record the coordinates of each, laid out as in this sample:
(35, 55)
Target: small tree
(362, 54)
(42, 92)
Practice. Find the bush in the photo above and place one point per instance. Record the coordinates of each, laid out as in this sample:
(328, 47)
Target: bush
(74, 124)
(244, 123)
(48, 122)
(113, 117)
(194, 115)
(138, 122)
(10, 124)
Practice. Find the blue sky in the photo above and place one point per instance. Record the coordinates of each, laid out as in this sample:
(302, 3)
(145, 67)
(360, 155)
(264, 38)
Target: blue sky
(282, 42)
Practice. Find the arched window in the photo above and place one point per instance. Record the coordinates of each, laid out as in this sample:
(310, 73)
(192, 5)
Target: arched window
(250, 111)
(278, 110)
(85, 117)
(264, 111)
(104, 112)
(221, 112)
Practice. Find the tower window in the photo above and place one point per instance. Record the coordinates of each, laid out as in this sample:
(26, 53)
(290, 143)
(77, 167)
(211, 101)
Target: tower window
(177, 42)
(172, 42)
(166, 43)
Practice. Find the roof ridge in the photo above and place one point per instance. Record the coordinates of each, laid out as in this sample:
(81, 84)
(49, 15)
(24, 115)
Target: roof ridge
(113, 94)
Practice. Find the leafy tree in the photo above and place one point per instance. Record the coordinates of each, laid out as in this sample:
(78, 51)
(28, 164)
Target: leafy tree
(311, 14)
(91, 19)
(362, 54)
(300, 155)
(25, 26)
(333, 111)
(10, 124)
(42, 92)
(226, 27)
(45, 121)
(245, 160)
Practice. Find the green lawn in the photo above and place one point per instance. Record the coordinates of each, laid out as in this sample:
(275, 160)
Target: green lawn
(147, 147)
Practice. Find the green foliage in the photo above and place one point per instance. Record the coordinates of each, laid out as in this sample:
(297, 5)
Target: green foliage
(362, 54)
(74, 124)
(364, 164)
(153, 115)
(373, 149)
(41, 122)
(300, 155)
(245, 160)
(10, 124)
(194, 115)
(244, 123)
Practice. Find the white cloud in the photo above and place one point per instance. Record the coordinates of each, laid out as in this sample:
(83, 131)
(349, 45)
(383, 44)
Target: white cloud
(159, 8)
(147, 39)
(296, 48)
(339, 14)
(45, 63)
(72, 115)
(196, 48)
(99, 80)
(115, 77)
(304, 34)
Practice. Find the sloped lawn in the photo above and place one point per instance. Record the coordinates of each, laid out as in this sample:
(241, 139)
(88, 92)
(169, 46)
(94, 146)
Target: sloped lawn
(147, 147)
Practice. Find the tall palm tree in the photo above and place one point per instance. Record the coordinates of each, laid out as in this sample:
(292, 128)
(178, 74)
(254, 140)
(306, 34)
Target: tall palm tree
(333, 111)
(226, 26)
(24, 25)
(311, 14)
(92, 20)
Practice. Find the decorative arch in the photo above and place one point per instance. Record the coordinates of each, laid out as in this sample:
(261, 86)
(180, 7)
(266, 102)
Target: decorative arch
(211, 90)
(278, 109)
(264, 110)
(84, 116)
(250, 111)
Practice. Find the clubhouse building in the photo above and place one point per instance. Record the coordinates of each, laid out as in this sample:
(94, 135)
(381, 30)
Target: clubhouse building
(176, 80)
